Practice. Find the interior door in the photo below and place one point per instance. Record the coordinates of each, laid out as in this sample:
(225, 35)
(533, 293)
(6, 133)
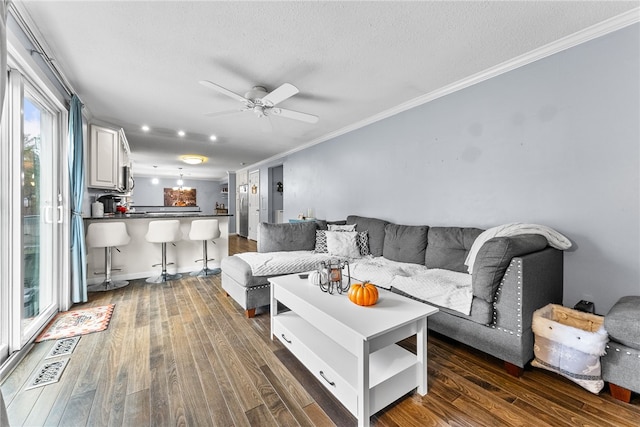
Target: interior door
(254, 204)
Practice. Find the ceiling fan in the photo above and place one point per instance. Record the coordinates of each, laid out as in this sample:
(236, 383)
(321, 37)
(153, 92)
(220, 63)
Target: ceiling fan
(261, 102)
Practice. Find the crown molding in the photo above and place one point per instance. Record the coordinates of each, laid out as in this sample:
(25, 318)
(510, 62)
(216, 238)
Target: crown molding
(598, 30)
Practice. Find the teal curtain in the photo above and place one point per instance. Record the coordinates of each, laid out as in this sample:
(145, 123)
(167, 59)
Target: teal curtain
(76, 173)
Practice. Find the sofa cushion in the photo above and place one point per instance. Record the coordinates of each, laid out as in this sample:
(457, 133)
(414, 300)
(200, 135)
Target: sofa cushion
(375, 228)
(494, 258)
(405, 243)
(448, 247)
(299, 236)
(623, 321)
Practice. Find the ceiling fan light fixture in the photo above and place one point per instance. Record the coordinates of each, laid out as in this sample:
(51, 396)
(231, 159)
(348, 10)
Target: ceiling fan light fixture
(193, 159)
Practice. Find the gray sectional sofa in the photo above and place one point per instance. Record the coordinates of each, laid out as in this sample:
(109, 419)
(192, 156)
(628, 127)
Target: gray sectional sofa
(511, 278)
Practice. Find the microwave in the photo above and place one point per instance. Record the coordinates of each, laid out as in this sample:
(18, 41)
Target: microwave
(127, 183)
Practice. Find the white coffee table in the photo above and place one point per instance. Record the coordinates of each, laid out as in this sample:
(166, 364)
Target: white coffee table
(351, 349)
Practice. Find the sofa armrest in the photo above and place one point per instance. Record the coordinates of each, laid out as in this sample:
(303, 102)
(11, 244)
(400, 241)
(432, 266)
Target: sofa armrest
(530, 282)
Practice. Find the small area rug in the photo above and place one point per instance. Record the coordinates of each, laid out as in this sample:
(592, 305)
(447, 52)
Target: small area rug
(77, 322)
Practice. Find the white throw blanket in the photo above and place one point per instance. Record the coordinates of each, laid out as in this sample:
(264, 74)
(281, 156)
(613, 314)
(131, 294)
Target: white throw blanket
(382, 271)
(445, 288)
(555, 239)
(274, 263)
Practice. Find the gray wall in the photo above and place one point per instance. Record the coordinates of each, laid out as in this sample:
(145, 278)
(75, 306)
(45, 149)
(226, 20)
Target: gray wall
(207, 192)
(555, 142)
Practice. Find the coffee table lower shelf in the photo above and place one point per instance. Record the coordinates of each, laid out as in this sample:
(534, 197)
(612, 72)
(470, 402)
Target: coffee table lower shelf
(393, 371)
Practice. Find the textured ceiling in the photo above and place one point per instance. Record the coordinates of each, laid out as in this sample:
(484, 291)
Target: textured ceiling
(136, 62)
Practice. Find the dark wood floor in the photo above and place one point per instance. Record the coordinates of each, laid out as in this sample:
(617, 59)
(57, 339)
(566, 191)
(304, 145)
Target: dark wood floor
(184, 354)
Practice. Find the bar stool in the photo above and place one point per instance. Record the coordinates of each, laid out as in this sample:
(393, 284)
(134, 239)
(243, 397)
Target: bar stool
(205, 229)
(164, 232)
(107, 235)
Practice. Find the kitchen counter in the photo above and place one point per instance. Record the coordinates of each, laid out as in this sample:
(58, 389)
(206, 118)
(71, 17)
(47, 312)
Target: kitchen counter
(155, 215)
(136, 259)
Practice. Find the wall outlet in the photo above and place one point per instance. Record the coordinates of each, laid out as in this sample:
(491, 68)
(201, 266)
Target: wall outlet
(586, 306)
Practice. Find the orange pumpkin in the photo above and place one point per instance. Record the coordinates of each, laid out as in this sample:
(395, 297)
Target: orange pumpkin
(363, 293)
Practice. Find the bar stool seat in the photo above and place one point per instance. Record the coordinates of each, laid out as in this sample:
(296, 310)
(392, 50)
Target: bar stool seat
(205, 229)
(107, 235)
(165, 231)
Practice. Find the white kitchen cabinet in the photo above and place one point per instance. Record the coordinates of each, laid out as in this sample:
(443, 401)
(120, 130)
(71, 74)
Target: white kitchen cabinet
(108, 155)
(104, 147)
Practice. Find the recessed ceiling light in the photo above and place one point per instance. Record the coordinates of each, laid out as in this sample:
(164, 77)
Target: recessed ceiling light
(181, 133)
(193, 159)
(213, 137)
(145, 128)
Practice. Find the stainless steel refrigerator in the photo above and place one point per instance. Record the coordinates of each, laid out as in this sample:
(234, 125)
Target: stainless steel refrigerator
(243, 210)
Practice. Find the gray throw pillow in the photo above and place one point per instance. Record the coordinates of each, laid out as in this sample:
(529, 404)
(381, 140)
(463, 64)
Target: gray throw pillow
(494, 257)
(405, 243)
(375, 229)
(448, 247)
(299, 236)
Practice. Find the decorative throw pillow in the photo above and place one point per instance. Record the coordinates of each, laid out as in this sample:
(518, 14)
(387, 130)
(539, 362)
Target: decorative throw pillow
(321, 241)
(333, 227)
(362, 240)
(342, 243)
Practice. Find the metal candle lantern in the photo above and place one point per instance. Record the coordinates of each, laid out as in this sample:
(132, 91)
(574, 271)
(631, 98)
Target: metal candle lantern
(335, 276)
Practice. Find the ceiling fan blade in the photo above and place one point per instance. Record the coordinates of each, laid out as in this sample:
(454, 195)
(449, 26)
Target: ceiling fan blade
(224, 113)
(296, 115)
(224, 91)
(285, 91)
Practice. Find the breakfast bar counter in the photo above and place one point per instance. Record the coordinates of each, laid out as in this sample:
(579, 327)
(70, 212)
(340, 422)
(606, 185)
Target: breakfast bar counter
(135, 259)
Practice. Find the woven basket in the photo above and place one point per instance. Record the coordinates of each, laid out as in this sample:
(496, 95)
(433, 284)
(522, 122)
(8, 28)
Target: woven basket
(570, 343)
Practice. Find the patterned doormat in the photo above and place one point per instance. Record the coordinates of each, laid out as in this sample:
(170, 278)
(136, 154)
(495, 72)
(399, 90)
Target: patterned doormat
(48, 373)
(63, 347)
(78, 322)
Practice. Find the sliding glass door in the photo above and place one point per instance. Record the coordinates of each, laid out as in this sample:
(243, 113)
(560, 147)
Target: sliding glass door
(32, 226)
(40, 213)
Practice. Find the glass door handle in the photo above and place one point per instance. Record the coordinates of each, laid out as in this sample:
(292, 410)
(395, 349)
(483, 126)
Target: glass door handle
(47, 214)
(60, 218)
